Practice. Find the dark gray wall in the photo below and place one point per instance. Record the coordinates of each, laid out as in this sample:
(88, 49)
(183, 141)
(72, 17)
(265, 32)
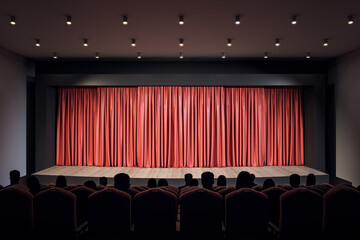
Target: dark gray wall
(51, 75)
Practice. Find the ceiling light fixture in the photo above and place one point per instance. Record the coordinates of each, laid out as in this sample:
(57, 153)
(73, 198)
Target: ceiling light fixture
(181, 42)
(97, 55)
(277, 42)
(351, 20)
(133, 42)
(37, 42)
(181, 55)
(223, 56)
(229, 42)
(55, 55)
(125, 20)
(68, 20)
(85, 43)
(181, 20)
(266, 55)
(237, 20)
(326, 42)
(308, 55)
(12, 20)
(139, 55)
(293, 20)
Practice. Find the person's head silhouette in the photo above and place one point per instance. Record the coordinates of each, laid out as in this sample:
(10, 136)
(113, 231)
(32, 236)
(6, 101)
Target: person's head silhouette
(163, 182)
(103, 181)
(207, 180)
(14, 177)
(194, 183)
(33, 184)
(221, 181)
(253, 179)
(152, 183)
(122, 181)
(91, 184)
(310, 180)
(268, 183)
(294, 180)
(188, 177)
(61, 181)
(244, 180)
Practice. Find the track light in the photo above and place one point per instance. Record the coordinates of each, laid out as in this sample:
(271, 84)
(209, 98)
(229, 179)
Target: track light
(181, 20)
(237, 20)
(181, 55)
(229, 42)
(223, 56)
(181, 42)
(266, 55)
(97, 55)
(277, 42)
(133, 42)
(55, 55)
(139, 55)
(85, 43)
(37, 42)
(293, 20)
(68, 20)
(308, 55)
(351, 20)
(12, 20)
(125, 20)
(326, 42)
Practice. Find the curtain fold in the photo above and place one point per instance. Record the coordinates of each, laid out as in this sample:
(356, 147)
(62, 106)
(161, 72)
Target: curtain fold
(166, 126)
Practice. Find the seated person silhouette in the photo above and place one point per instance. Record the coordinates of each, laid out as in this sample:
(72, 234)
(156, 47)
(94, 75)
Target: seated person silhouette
(221, 181)
(91, 184)
(103, 181)
(244, 180)
(33, 184)
(152, 183)
(253, 179)
(268, 183)
(188, 177)
(61, 181)
(122, 182)
(310, 179)
(194, 183)
(14, 177)
(163, 182)
(294, 180)
(207, 180)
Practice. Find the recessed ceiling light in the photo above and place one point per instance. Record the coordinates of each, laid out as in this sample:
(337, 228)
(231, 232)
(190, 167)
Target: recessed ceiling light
(229, 42)
(181, 42)
(97, 55)
(37, 42)
(266, 55)
(68, 20)
(293, 20)
(277, 42)
(139, 55)
(55, 55)
(12, 20)
(181, 20)
(351, 20)
(85, 43)
(223, 56)
(237, 20)
(181, 55)
(125, 20)
(133, 42)
(326, 42)
(308, 55)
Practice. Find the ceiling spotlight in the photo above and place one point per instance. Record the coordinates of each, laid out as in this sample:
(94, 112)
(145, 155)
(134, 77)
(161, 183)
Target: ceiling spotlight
(293, 20)
(308, 55)
(266, 55)
(125, 20)
(181, 55)
(237, 20)
(12, 20)
(277, 42)
(223, 56)
(181, 20)
(37, 42)
(55, 55)
(97, 55)
(229, 42)
(139, 55)
(326, 43)
(85, 43)
(68, 20)
(351, 20)
(181, 42)
(133, 42)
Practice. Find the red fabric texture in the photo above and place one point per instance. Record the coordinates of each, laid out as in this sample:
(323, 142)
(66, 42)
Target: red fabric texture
(170, 126)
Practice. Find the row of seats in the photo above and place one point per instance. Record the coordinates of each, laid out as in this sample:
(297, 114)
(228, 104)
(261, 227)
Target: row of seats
(197, 212)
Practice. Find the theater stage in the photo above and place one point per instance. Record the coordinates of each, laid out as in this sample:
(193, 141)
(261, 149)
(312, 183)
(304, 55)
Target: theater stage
(175, 176)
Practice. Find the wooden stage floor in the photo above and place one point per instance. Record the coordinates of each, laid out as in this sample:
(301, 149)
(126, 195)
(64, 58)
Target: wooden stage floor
(175, 176)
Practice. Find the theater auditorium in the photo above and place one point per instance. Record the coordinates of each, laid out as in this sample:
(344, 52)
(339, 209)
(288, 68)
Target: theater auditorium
(179, 120)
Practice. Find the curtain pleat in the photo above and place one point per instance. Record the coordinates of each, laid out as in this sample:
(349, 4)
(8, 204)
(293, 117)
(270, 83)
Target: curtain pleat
(171, 127)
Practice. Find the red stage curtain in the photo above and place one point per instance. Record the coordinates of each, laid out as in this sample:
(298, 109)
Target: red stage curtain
(179, 126)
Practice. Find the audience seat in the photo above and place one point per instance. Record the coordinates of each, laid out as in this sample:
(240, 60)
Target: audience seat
(82, 193)
(16, 213)
(226, 190)
(274, 194)
(109, 214)
(258, 188)
(316, 189)
(247, 214)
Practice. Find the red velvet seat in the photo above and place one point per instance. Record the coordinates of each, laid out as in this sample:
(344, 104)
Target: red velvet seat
(274, 194)
(55, 214)
(258, 188)
(316, 189)
(227, 190)
(247, 214)
(109, 214)
(16, 213)
(82, 193)
(201, 214)
(342, 213)
(155, 214)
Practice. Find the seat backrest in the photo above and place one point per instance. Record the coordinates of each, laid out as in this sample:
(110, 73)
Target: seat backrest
(247, 213)
(109, 212)
(316, 189)
(55, 213)
(301, 213)
(342, 212)
(82, 193)
(227, 190)
(274, 194)
(201, 212)
(258, 188)
(16, 213)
